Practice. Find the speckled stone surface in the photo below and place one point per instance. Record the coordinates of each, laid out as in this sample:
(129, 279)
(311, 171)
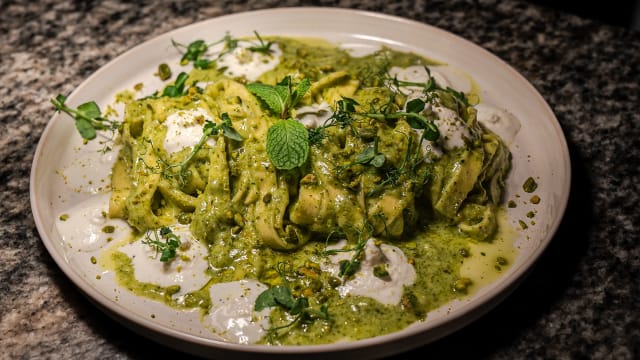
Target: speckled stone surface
(582, 300)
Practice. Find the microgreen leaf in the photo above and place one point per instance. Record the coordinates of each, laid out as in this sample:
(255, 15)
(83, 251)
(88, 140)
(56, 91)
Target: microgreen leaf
(88, 118)
(415, 106)
(264, 48)
(299, 306)
(177, 89)
(86, 130)
(227, 128)
(168, 247)
(287, 144)
(89, 110)
(371, 156)
(348, 267)
(194, 52)
(282, 296)
(275, 296)
(208, 129)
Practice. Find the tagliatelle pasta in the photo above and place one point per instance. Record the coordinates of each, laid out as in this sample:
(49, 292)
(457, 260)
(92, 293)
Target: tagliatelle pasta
(387, 190)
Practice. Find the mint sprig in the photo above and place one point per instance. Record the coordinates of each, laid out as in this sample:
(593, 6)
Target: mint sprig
(282, 97)
(287, 144)
(287, 139)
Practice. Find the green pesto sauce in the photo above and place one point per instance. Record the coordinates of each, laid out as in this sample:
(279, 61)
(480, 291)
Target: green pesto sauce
(439, 254)
(122, 266)
(448, 264)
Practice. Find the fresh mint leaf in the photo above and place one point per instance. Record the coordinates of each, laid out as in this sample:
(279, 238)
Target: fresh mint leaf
(282, 97)
(299, 91)
(287, 144)
(274, 96)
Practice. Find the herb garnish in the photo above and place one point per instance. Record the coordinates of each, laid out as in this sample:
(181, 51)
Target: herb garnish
(451, 98)
(287, 139)
(177, 88)
(88, 117)
(342, 117)
(209, 129)
(164, 241)
(350, 267)
(282, 97)
(263, 47)
(287, 144)
(194, 51)
(369, 156)
(413, 118)
(282, 296)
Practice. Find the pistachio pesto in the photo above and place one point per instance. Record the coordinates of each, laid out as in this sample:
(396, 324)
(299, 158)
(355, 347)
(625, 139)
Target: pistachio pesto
(393, 165)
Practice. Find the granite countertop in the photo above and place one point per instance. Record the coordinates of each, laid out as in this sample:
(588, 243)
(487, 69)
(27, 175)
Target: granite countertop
(582, 300)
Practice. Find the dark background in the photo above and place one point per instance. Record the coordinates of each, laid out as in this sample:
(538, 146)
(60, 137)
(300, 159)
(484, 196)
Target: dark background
(622, 13)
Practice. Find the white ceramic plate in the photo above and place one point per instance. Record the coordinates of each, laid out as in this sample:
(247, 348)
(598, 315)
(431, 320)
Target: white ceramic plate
(65, 173)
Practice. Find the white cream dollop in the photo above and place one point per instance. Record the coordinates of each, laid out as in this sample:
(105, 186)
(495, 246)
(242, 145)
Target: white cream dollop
(187, 269)
(232, 313)
(243, 62)
(315, 115)
(418, 74)
(453, 130)
(86, 226)
(387, 290)
(500, 121)
(184, 129)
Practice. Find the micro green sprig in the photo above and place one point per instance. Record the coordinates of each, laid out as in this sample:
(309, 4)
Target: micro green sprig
(369, 156)
(164, 241)
(282, 296)
(342, 117)
(88, 117)
(262, 47)
(432, 90)
(177, 89)
(350, 267)
(413, 117)
(209, 129)
(195, 51)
